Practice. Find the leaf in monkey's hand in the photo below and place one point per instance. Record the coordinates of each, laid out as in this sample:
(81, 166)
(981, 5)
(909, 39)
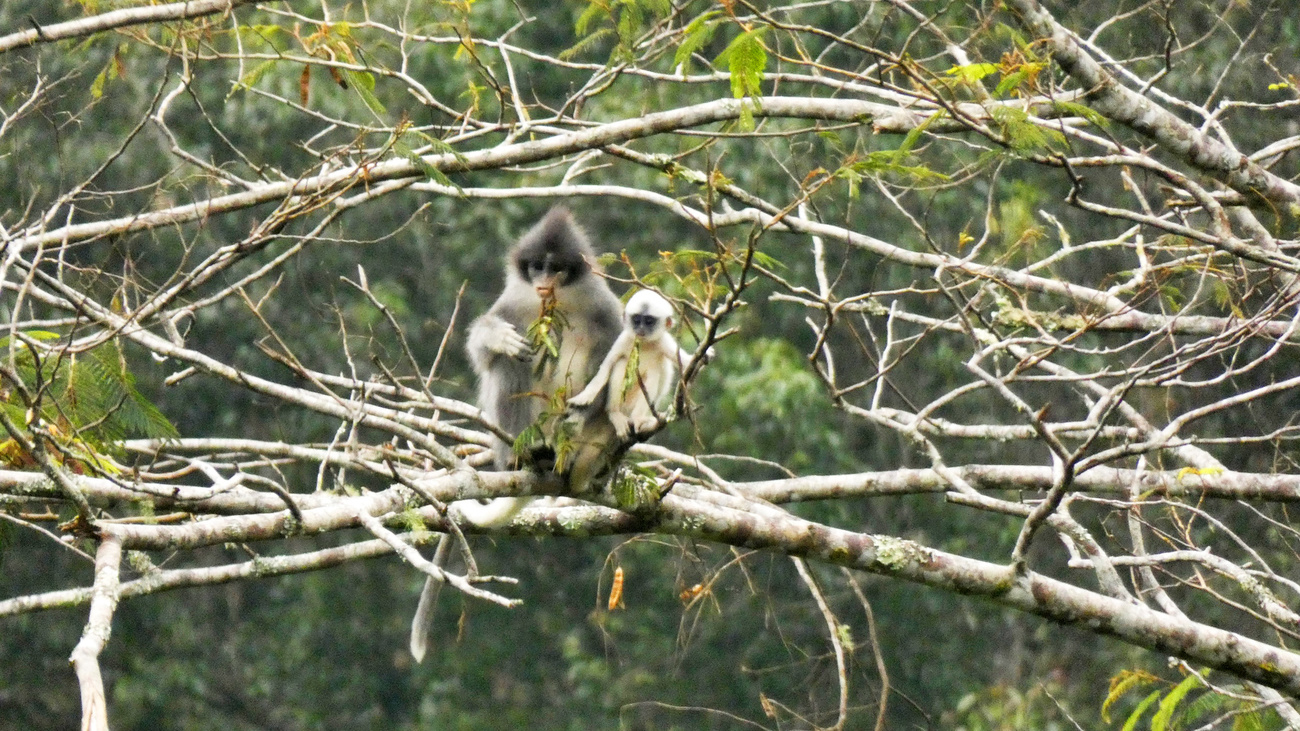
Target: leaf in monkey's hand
(545, 332)
(633, 373)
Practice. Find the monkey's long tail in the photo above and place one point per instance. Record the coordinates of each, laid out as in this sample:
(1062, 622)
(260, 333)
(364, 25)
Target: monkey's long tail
(428, 602)
(495, 514)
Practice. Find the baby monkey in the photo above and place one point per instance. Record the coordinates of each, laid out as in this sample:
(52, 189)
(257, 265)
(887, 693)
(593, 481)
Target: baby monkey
(646, 346)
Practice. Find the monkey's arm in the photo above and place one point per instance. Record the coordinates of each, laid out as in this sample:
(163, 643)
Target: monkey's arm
(622, 348)
(682, 356)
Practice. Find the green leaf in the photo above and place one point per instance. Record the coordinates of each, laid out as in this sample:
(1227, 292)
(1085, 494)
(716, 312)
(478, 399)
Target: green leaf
(1082, 110)
(630, 20)
(1120, 685)
(425, 167)
(631, 375)
(364, 83)
(97, 86)
(437, 144)
(41, 335)
(767, 261)
(1251, 720)
(692, 254)
(1160, 721)
(1002, 30)
(880, 163)
(971, 73)
(532, 434)
(746, 119)
(1012, 80)
(594, 10)
(745, 58)
(914, 136)
(92, 399)
(1209, 703)
(249, 79)
(258, 37)
(697, 35)
(118, 407)
(1023, 136)
(584, 43)
(1136, 715)
(660, 8)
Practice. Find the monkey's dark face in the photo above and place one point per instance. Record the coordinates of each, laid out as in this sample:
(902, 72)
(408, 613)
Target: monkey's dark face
(643, 325)
(548, 271)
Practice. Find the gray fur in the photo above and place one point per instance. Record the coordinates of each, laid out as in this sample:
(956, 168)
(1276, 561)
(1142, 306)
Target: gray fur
(498, 351)
(505, 364)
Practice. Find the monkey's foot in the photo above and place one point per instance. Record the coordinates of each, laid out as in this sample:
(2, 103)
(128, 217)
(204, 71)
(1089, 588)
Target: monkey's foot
(647, 425)
(622, 425)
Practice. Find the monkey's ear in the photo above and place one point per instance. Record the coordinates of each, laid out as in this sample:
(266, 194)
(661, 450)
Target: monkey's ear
(669, 322)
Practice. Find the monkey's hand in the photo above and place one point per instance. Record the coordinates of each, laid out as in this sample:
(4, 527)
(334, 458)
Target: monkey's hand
(710, 355)
(499, 336)
(587, 397)
(622, 425)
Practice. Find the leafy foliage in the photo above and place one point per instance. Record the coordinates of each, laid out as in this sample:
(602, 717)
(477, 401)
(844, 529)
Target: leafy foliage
(1023, 136)
(972, 73)
(86, 401)
(696, 36)
(1189, 703)
(546, 332)
(632, 376)
(746, 58)
(625, 20)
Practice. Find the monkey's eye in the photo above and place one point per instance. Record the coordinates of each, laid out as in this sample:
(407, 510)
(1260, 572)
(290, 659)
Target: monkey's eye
(549, 267)
(644, 322)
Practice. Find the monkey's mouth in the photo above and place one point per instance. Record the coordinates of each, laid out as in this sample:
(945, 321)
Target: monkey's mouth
(545, 291)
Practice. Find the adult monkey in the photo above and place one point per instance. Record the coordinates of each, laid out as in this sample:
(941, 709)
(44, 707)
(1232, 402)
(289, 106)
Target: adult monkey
(551, 274)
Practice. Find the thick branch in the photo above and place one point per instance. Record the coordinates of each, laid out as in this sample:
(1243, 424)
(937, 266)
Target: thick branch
(1105, 480)
(1031, 593)
(116, 19)
(1098, 480)
(85, 658)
